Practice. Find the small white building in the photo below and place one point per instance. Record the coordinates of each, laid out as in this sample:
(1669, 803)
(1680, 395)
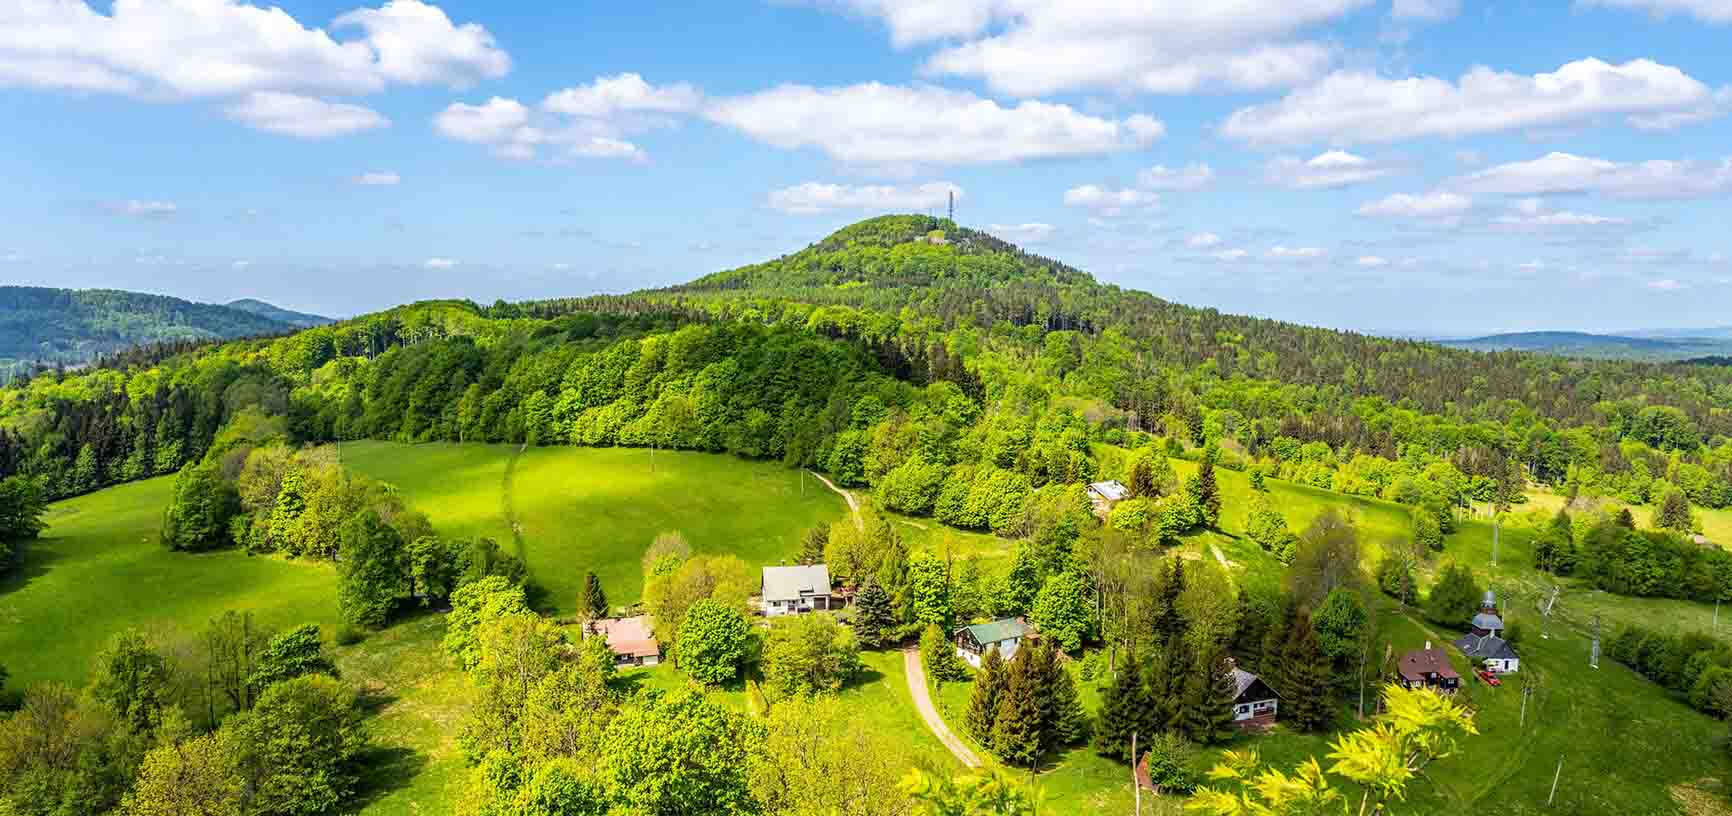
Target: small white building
(1103, 495)
(795, 590)
(1005, 634)
(1255, 704)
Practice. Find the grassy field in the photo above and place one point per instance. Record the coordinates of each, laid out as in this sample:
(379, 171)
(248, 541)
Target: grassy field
(582, 509)
(98, 570)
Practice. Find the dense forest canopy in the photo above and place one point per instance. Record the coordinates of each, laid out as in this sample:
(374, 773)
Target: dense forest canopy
(898, 330)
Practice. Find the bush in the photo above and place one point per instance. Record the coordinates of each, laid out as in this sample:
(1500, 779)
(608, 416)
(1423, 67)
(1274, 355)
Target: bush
(939, 655)
(714, 642)
(809, 654)
(347, 635)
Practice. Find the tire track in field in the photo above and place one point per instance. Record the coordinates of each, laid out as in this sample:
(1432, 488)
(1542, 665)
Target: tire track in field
(508, 504)
(853, 505)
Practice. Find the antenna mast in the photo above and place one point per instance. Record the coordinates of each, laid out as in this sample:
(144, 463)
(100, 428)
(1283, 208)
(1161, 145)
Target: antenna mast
(953, 206)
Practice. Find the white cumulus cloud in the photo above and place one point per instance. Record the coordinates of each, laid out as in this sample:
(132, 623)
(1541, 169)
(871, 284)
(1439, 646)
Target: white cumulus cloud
(1569, 173)
(1353, 107)
(883, 124)
(1372, 261)
(1033, 47)
(439, 263)
(1708, 11)
(303, 116)
(378, 178)
(1108, 202)
(270, 64)
(1327, 170)
(1425, 206)
(622, 93)
(143, 208)
(1161, 177)
(1203, 240)
(1287, 253)
(813, 197)
(1425, 11)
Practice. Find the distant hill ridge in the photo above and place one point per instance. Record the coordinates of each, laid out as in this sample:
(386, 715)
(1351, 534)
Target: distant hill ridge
(1659, 345)
(73, 326)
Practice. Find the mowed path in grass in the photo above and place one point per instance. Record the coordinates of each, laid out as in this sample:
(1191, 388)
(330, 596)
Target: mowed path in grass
(98, 570)
(584, 509)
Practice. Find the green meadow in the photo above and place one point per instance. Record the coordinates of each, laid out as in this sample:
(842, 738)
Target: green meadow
(98, 570)
(597, 509)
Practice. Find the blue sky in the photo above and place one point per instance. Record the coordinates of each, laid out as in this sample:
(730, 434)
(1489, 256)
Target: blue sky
(1415, 166)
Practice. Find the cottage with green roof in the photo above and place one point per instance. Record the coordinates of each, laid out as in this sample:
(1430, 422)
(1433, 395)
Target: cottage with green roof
(1004, 634)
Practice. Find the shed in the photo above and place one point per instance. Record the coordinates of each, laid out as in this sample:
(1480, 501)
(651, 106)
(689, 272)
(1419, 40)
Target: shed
(1004, 634)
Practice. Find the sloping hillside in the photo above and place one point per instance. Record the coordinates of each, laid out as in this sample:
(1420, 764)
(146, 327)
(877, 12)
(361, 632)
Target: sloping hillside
(1598, 346)
(71, 326)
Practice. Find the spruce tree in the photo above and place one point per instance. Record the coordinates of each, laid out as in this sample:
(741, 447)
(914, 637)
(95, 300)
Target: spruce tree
(1208, 492)
(1122, 709)
(1063, 720)
(873, 619)
(1209, 695)
(989, 686)
(1016, 724)
(812, 545)
(591, 600)
(1168, 623)
(1305, 675)
(1142, 479)
(1166, 687)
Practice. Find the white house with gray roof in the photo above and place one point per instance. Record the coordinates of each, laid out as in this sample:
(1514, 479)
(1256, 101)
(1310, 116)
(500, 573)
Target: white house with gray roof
(795, 590)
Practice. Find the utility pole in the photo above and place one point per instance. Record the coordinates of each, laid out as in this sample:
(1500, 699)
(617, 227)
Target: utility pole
(1555, 775)
(1136, 784)
(1527, 691)
(1496, 531)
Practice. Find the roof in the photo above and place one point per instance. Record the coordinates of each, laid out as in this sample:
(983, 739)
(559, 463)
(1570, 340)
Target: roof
(1488, 621)
(998, 631)
(1419, 662)
(794, 583)
(1110, 490)
(628, 636)
(1486, 648)
(1244, 680)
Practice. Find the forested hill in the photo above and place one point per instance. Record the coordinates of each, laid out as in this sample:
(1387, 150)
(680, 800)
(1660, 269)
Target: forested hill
(905, 354)
(300, 320)
(868, 273)
(72, 326)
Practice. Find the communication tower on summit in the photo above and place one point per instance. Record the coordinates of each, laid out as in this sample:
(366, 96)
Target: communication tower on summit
(953, 205)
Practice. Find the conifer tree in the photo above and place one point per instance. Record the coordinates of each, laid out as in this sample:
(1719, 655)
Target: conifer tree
(1063, 720)
(1208, 702)
(1165, 689)
(873, 619)
(812, 545)
(1305, 675)
(1016, 724)
(1169, 624)
(989, 687)
(1123, 710)
(591, 600)
(1142, 479)
(1208, 492)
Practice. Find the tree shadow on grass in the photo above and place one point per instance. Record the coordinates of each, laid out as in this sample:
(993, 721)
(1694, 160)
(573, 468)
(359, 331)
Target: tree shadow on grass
(33, 559)
(385, 770)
